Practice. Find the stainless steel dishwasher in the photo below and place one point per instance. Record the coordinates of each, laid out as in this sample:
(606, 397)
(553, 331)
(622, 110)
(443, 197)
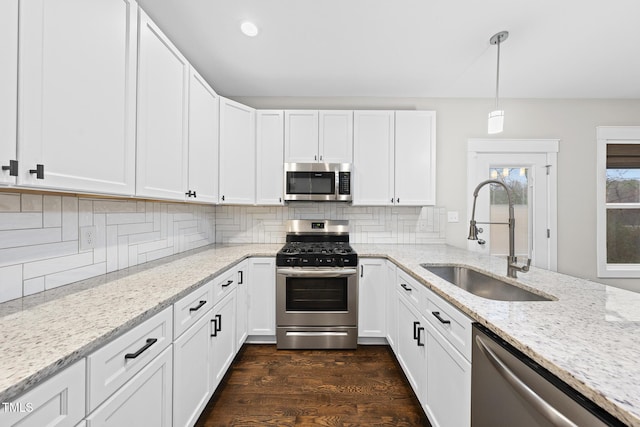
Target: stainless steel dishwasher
(510, 389)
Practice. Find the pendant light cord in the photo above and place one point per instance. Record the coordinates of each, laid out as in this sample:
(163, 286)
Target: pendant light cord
(498, 73)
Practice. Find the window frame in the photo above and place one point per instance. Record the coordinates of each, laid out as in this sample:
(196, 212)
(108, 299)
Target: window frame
(611, 135)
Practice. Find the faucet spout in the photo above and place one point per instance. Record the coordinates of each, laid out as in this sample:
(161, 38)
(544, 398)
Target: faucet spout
(512, 260)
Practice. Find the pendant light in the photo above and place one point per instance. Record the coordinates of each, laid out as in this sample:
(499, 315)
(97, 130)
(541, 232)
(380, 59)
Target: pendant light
(496, 117)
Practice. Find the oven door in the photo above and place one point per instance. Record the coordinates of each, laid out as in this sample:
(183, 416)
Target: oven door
(316, 296)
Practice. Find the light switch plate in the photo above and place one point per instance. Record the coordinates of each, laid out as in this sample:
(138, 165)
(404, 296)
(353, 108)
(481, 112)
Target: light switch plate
(452, 216)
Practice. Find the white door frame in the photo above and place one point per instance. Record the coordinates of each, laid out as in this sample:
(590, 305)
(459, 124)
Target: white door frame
(549, 147)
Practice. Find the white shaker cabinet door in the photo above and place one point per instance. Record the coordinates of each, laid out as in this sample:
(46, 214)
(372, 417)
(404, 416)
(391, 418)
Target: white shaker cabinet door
(237, 153)
(373, 150)
(335, 136)
(76, 128)
(415, 154)
(262, 296)
(301, 136)
(223, 337)
(163, 75)
(372, 297)
(8, 90)
(203, 140)
(269, 157)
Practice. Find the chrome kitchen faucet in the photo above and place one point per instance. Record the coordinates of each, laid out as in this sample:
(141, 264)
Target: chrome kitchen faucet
(512, 260)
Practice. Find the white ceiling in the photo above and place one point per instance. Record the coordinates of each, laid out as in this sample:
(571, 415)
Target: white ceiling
(409, 48)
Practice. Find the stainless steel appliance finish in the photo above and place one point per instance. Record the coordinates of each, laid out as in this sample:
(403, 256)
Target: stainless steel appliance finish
(481, 284)
(510, 389)
(317, 287)
(317, 182)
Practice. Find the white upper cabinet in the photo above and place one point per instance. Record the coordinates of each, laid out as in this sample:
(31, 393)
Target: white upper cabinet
(76, 128)
(415, 158)
(8, 90)
(394, 158)
(203, 140)
(373, 147)
(237, 153)
(269, 157)
(336, 136)
(301, 136)
(163, 76)
(312, 136)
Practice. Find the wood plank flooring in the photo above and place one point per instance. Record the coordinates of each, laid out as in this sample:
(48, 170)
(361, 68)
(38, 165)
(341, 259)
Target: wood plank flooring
(342, 388)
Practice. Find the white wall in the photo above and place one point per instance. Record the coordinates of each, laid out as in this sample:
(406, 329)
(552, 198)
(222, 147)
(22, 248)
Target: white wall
(572, 121)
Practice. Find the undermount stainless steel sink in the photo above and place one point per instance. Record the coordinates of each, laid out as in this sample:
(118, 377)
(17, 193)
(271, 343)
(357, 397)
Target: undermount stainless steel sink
(481, 284)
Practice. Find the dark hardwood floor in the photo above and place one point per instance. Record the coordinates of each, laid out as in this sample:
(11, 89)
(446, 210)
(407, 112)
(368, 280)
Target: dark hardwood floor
(269, 387)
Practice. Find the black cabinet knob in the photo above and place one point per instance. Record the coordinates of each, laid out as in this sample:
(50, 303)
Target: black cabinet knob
(12, 168)
(38, 171)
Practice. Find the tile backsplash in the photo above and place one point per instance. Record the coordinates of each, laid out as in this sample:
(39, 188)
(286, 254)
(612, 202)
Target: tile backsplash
(367, 224)
(42, 245)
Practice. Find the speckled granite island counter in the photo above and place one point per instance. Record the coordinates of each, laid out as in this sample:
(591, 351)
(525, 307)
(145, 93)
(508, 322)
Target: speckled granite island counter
(587, 336)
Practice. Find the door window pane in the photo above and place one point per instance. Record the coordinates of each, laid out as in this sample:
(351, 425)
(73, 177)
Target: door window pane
(517, 179)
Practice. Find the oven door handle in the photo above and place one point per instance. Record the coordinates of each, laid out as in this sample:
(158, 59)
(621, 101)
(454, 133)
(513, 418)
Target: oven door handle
(333, 272)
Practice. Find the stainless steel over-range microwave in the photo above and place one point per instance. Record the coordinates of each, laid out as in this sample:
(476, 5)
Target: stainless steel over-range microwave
(317, 181)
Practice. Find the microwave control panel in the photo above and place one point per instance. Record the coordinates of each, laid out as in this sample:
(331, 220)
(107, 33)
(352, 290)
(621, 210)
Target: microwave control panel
(344, 183)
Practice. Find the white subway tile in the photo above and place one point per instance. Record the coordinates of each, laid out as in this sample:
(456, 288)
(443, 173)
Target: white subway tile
(33, 286)
(113, 206)
(100, 249)
(125, 218)
(111, 236)
(133, 255)
(36, 252)
(57, 264)
(70, 276)
(31, 203)
(69, 218)
(136, 228)
(11, 284)
(18, 221)
(123, 252)
(52, 207)
(85, 212)
(9, 202)
(29, 237)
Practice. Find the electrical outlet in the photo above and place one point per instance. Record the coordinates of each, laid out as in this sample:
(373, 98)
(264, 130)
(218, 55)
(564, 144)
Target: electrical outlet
(87, 237)
(452, 216)
(423, 225)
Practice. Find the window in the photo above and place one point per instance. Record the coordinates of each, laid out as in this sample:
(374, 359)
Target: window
(618, 218)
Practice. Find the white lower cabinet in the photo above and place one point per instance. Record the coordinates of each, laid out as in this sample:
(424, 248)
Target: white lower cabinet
(372, 298)
(447, 395)
(57, 402)
(143, 401)
(411, 351)
(223, 337)
(262, 296)
(192, 372)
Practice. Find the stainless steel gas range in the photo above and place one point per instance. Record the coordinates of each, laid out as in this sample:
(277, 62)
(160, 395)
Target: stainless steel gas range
(317, 287)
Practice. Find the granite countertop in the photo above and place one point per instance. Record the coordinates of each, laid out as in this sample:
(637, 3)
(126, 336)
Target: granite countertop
(587, 336)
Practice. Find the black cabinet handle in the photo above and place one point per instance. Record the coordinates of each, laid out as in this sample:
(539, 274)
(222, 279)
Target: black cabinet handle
(198, 307)
(437, 315)
(215, 327)
(241, 275)
(223, 198)
(392, 200)
(362, 271)
(39, 171)
(398, 200)
(150, 342)
(420, 343)
(218, 322)
(12, 168)
(415, 330)
(190, 194)
(405, 287)
(224, 285)
(280, 199)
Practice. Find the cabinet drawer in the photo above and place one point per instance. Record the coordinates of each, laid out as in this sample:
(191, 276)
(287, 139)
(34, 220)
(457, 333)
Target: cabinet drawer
(409, 288)
(225, 283)
(450, 322)
(109, 367)
(189, 309)
(58, 401)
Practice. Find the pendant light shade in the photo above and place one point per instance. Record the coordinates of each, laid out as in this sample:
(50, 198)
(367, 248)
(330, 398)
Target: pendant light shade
(495, 123)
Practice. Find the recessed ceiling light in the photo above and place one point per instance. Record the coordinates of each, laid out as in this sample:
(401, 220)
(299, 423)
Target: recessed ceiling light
(249, 29)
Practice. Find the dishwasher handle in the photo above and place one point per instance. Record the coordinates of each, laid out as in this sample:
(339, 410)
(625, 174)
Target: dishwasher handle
(541, 405)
